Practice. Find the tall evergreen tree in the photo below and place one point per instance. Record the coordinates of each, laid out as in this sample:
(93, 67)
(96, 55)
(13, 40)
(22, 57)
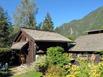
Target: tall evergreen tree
(25, 14)
(47, 23)
(4, 25)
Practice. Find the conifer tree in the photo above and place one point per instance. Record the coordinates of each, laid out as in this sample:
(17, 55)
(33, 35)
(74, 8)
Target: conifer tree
(4, 26)
(25, 14)
(47, 23)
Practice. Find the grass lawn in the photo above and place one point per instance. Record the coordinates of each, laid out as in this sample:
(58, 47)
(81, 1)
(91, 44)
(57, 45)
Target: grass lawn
(30, 74)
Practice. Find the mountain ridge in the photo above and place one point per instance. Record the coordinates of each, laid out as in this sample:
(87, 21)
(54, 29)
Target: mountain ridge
(75, 28)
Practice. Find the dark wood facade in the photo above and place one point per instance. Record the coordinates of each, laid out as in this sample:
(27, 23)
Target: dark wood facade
(27, 54)
(91, 56)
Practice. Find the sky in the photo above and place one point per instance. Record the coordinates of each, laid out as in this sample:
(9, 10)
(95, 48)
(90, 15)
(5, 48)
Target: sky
(61, 11)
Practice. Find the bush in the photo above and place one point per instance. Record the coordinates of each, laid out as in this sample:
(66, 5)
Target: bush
(55, 71)
(41, 64)
(100, 67)
(55, 56)
(5, 55)
(4, 50)
(85, 69)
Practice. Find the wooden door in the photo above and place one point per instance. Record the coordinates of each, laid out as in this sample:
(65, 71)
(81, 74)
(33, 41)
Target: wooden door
(22, 58)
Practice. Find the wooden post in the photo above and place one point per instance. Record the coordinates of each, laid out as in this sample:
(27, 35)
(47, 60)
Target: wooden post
(31, 52)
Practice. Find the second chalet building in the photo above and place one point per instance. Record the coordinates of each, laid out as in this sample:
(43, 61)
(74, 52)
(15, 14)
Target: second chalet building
(29, 43)
(89, 46)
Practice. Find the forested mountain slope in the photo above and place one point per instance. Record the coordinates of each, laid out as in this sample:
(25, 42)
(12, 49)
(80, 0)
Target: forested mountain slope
(75, 28)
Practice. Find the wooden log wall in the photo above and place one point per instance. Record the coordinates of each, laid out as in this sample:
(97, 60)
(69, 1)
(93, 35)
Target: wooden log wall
(31, 52)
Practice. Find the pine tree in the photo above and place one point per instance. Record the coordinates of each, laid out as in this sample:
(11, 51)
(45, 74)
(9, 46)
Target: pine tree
(47, 23)
(25, 14)
(4, 25)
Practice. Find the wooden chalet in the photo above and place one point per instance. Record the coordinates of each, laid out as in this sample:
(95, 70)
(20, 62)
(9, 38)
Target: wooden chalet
(89, 46)
(29, 43)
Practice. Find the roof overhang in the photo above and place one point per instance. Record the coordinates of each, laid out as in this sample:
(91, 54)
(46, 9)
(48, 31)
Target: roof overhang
(18, 45)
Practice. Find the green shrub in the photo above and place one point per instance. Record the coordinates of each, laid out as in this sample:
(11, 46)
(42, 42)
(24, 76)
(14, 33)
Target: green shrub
(5, 55)
(56, 56)
(41, 64)
(83, 69)
(100, 67)
(3, 50)
(55, 71)
(41, 61)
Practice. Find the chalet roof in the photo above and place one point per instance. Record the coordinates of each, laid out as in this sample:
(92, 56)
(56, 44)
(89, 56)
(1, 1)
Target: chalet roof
(39, 35)
(18, 45)
(95, 31)
(92, 42)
